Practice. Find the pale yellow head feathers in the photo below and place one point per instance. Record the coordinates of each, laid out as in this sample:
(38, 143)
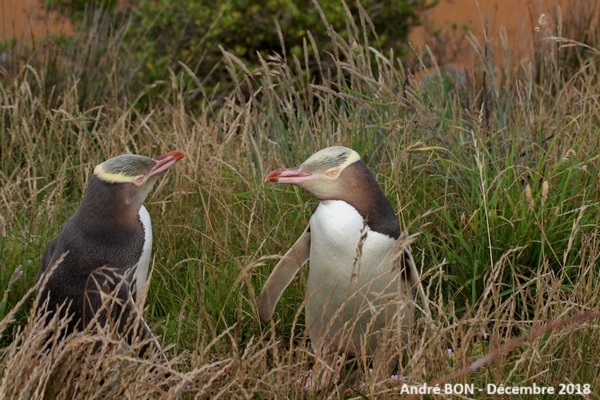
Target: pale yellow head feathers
(126, 168)
(320, 173)
(330, 161)
(131, 168)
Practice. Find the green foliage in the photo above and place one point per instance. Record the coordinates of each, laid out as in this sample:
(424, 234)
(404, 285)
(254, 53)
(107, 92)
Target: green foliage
(162, 35)
(191, 32)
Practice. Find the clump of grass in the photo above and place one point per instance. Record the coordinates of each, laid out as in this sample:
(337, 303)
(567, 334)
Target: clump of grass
(499, 179)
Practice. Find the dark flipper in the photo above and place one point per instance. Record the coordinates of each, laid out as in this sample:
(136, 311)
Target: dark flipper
(283, 274)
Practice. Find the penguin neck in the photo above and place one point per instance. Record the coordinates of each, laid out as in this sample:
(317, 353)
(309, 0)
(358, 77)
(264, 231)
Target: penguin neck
(361, 191)
(110, 204)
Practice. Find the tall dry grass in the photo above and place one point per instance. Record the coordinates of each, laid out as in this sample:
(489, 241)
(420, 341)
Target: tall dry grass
(497, 176)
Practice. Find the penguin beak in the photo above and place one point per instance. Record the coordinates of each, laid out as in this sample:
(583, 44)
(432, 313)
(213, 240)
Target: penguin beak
(164, 161)
(289, 175)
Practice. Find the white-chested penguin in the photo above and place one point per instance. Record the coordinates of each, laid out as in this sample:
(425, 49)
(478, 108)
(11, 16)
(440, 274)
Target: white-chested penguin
(356, 287)
(105, 248)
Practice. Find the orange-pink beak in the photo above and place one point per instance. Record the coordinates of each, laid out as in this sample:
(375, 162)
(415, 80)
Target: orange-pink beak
(289, 175)
(166, 160)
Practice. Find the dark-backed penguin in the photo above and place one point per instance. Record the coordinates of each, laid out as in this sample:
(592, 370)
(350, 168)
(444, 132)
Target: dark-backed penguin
(356, 285)
(104, 249)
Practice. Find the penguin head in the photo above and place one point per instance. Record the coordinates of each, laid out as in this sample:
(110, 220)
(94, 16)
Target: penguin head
(325, 174)
(134, 169)
(132, 176)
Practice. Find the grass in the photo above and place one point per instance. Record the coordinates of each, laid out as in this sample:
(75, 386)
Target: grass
(498, 177)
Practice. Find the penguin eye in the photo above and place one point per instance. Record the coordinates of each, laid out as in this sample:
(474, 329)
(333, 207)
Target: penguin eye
(139, 180)
(332, 173)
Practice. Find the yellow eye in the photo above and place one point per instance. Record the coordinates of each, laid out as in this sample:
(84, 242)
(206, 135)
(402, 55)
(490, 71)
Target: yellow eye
(331, 173)
(139, 181)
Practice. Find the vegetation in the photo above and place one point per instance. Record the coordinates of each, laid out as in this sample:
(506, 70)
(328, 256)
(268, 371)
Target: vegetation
(156, 38)
(496, 175)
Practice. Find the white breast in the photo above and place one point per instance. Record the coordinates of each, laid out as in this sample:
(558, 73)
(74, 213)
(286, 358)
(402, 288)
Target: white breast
(337, 250)
(349, 274)
(141, 270)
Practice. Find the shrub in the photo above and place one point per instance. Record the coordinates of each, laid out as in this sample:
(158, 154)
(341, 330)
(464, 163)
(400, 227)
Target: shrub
(162, 35)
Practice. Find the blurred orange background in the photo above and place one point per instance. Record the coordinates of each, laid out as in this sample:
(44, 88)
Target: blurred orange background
(27, 19)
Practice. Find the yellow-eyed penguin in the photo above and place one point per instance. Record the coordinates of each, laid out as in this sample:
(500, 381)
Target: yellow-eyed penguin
(105, 248)
(356, 287)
